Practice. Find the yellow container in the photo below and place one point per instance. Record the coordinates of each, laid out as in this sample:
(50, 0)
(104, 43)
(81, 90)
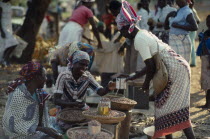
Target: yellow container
(103, 110)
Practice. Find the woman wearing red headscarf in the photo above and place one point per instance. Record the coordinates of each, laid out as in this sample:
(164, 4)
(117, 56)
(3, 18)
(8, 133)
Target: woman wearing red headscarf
(172, 104)
(26, 115)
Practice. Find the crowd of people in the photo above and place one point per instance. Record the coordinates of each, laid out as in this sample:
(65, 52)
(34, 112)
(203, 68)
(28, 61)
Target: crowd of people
(166, 31)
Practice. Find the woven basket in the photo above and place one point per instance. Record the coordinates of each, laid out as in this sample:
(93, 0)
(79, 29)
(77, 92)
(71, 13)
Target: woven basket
(85, 129)
(105, 119)
(63, 115)
(121, 106)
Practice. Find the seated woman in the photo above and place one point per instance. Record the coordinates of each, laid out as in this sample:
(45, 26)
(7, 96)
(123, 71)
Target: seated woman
(26, 115)
(72, 85)
(59, 57)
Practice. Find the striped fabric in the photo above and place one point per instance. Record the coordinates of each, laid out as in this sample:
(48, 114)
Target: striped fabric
(181, 44)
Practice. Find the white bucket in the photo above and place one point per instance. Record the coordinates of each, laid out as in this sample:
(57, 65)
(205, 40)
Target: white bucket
(149, 131)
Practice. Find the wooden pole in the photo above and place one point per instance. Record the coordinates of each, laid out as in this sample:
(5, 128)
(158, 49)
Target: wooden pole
(125, 125)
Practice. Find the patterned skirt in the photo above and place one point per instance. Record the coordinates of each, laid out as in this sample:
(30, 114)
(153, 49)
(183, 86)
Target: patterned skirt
(181, 44)
(205, 73)
(172, 105)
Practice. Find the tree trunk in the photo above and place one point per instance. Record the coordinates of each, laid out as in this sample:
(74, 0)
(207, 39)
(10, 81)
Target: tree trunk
(29, 30)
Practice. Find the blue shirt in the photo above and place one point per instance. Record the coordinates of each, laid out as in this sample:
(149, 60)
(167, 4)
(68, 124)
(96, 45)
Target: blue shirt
(180, 18)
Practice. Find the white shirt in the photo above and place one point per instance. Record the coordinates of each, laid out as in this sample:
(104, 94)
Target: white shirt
(144, 19)
(146, 43)
(161, 15)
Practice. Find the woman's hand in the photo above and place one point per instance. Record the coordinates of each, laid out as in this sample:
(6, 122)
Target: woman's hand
(51, 132)
(99, 46)
(80, 104)
(112, 85)
(159, 25)
(145, 87)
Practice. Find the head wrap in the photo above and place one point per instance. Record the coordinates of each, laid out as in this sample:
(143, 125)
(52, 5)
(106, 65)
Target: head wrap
(75, 46)
(127, 16)
(78, 56)
(28, 72)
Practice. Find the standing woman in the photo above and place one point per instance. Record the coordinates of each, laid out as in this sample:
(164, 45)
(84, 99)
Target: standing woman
(73, 30)
(180, 26)
(7, 40)
(193, 35)
(172, 104)
(159, 18)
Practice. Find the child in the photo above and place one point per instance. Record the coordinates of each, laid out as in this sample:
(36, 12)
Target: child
(204, 51)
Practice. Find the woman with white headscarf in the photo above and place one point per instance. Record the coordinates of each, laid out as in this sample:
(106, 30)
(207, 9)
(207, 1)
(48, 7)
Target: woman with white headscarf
(173, 102)
(72, 85)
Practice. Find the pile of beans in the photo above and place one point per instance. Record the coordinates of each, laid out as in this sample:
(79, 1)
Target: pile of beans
(123, 100)
(72, 115)
(111, 114)
(81, 133)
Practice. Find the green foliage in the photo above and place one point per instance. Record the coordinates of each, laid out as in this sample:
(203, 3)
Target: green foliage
(19, 2)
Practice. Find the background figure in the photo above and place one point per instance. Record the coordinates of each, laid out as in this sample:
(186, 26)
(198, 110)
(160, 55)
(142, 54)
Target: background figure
(193, 35)
(180, 25)
(131, 53)
(158, 19)
(204, 52)
(81, 15)
(7, 41)
(144, 12)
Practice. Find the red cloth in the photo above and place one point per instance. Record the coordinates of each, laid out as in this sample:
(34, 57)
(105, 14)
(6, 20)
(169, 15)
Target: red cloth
(108, 19)
(27, 72)
(81, 15)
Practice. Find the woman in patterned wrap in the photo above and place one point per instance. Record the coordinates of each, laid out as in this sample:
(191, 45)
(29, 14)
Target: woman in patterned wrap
(26, 115)
(172, 104)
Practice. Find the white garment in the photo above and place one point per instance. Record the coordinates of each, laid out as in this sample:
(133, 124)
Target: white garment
(146, 43)
(107, 59)
(71, 32)
(10, 40)
(161, 15)
(144, 19)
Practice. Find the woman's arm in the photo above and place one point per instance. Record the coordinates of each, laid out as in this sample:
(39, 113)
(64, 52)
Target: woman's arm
(103, 91)
(150, 72)
(138, 74)
(54, 65)
(171, 14)
(3, 35)
(193, 26)
(95, 31)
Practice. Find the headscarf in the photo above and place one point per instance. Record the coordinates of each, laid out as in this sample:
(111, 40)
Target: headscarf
(75, 46)
(127, 16)
(78, 56)
(27, 73)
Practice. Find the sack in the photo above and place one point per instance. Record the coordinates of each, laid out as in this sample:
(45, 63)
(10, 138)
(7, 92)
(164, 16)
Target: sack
(160, 78)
